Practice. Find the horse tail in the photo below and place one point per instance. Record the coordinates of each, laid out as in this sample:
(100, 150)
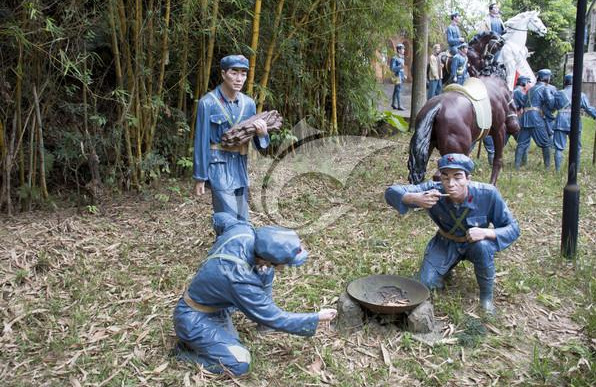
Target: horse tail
(420, 142)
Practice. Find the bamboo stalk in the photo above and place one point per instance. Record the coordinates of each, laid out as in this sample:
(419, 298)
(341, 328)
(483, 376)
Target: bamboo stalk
(118, 65)
(182, 80)
(148, 75)
(18, 111)
(201, 57)
(128, 136)
(6, 167)
(200, 75)
(253, 47)
(211, 44)
(162, 71)
(42, 165)
(269, 56)
(140, 93)
(120, 81)
(334, 129)
(92, 159)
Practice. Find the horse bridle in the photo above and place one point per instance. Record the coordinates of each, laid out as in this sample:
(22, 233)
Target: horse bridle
(531, 22)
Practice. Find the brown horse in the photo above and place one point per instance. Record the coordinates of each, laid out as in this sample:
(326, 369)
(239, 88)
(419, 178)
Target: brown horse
(448, 122)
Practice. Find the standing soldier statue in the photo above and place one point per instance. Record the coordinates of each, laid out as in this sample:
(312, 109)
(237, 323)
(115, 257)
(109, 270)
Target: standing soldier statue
(539, 103)
(399, 75)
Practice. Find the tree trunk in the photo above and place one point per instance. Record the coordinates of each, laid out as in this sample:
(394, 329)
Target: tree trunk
(253, 47)
(419, 62)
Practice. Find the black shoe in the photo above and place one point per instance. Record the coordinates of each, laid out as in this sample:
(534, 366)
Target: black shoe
(393, 106)
(400, 108)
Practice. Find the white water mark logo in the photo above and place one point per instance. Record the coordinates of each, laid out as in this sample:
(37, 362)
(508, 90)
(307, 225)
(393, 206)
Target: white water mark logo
(336, 157)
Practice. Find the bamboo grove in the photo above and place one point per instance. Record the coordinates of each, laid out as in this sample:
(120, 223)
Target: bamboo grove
(100, 95)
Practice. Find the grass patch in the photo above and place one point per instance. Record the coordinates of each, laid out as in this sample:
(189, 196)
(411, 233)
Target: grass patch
(87, 297)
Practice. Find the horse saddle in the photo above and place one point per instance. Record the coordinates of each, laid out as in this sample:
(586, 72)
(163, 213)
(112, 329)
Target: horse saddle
(475, 90)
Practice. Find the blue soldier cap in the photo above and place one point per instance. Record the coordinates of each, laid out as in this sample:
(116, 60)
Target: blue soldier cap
(454, 15)
(522, 80)
(568, 79)
(399, 45)
(279, 245)
(462, 46)
(456, 161)
(544, 74)
(234, 61)
(491, 6)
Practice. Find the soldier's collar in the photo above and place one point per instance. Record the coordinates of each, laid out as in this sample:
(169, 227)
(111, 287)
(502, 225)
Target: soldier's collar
(225, 98)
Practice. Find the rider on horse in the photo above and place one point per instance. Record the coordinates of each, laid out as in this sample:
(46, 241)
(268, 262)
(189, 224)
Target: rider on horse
(459, 65)
(454, 38)
(493, 22)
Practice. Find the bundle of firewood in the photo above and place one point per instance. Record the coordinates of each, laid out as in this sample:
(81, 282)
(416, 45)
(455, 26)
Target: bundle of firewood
(242, 132)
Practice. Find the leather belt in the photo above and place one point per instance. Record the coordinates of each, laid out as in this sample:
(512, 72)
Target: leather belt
(196, 306)
(242, 149)
(458, 239)
(533, 108)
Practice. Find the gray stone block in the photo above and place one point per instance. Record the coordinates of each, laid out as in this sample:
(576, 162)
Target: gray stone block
(349, 314)
(422, 319)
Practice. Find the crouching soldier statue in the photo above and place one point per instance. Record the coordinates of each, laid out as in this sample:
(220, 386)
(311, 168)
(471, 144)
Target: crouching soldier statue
(463, 210)
(238, 275)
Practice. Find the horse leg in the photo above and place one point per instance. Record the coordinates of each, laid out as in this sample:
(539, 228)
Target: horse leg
(499, 144)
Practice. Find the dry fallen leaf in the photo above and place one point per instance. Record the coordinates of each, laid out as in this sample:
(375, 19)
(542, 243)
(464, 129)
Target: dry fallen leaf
(386, 357)
(74, 382)
(315, 367)
(161, 368)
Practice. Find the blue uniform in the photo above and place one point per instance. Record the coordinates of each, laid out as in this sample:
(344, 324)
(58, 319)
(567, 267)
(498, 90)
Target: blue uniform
(538, 105)
(226, 281)
(453, 37)
(482, 207)
(226, 171)
(496, 24)
(397, 66)
(562, 124)
(519, 97)
(459, 68)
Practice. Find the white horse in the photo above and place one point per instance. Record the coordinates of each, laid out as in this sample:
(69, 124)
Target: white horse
(514, 53)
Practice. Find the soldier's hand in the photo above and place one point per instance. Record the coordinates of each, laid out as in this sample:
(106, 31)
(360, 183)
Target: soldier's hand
(327, 314)
(261, 127)
(476, 234)
(428, 199)
(199, 188)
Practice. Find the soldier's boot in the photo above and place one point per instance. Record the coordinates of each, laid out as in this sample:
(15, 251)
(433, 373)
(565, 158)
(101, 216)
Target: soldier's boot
(524, 159)
(485, 276)
(558, 159)
(519, 156)
(546, 156)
